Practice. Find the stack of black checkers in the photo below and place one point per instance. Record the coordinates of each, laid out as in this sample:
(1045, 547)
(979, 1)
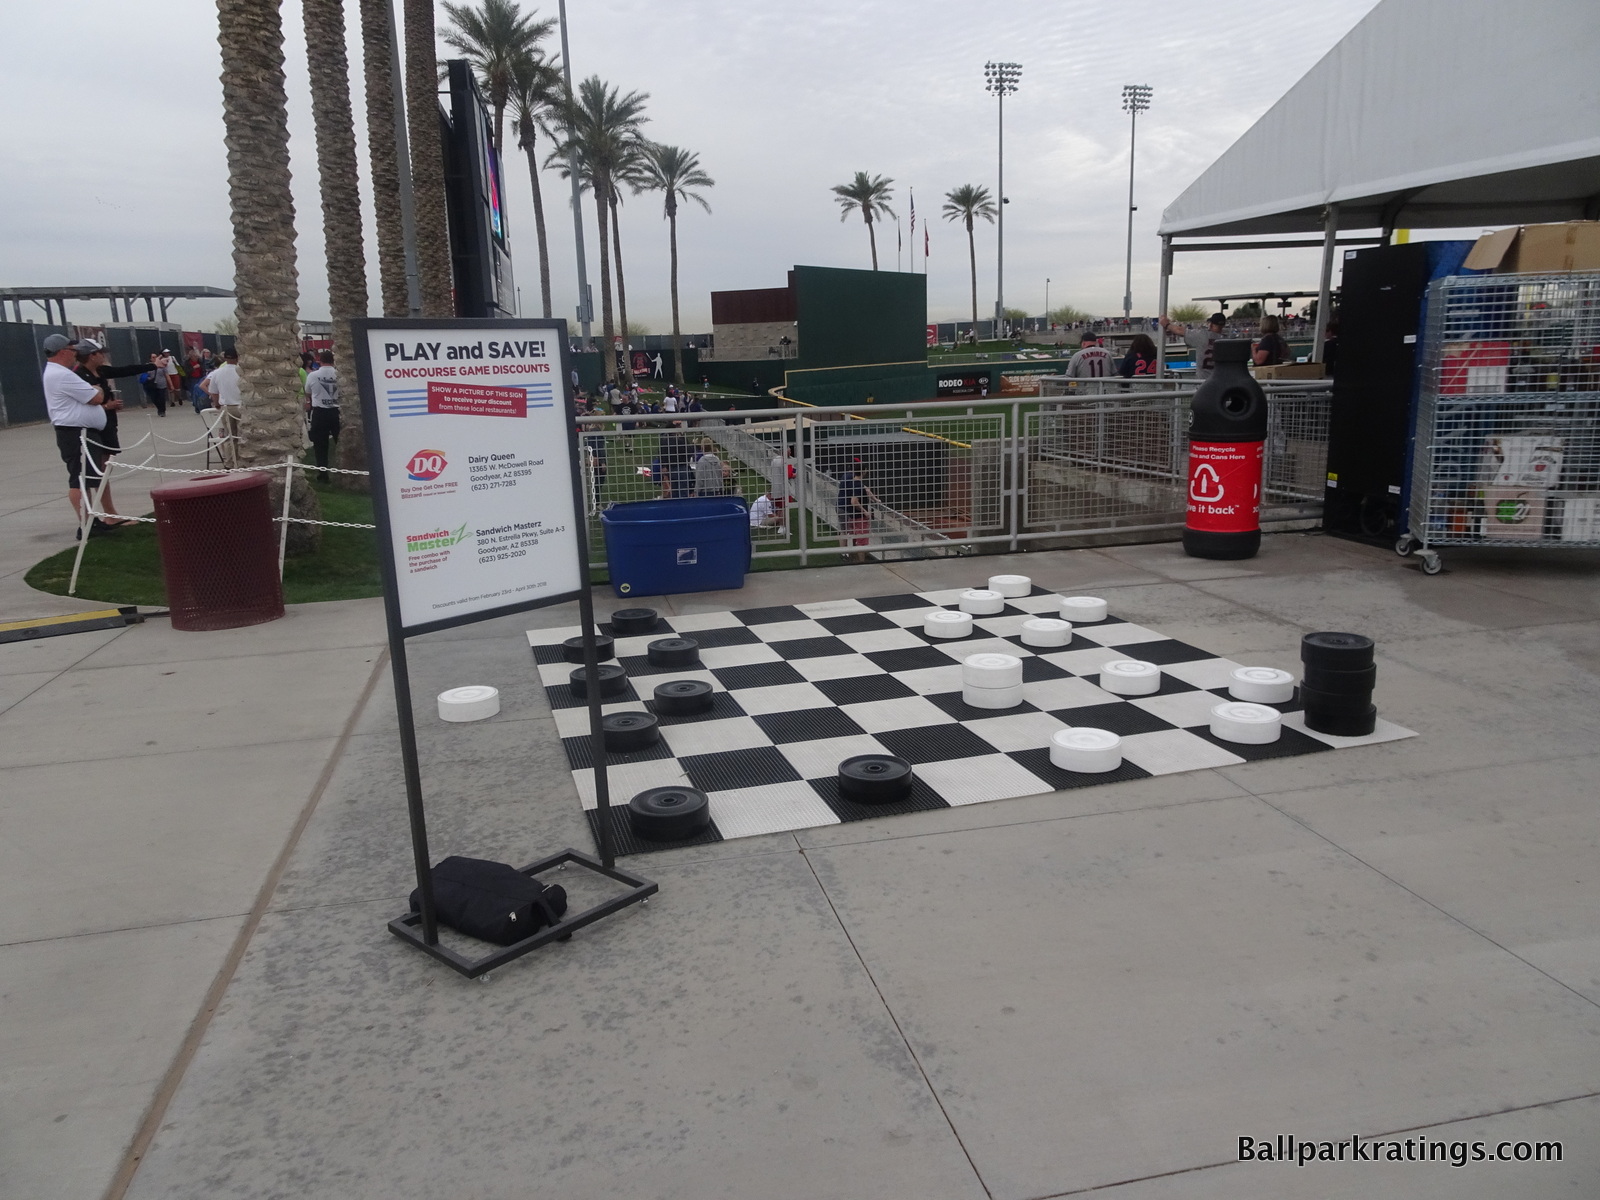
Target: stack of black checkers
(613, 680)
(634, 622)
(875, 779)
(572, 649)
(1337, 688)
(669, 814)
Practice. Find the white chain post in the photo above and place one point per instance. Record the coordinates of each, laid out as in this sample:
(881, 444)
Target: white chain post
(283, 534)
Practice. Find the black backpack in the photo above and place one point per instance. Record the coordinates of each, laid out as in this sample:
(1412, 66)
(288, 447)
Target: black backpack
(492, 901)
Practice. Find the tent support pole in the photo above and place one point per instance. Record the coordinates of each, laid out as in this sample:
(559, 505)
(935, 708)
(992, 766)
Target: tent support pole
(1330, 235)
(1161, 306)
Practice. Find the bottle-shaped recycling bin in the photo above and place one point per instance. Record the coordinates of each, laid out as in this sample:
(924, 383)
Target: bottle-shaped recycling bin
(1227, 438)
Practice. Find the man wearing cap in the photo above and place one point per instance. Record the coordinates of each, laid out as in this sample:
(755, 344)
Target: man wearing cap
(1202, 342)
(1092, 361)
(74, 405)
(227, 397)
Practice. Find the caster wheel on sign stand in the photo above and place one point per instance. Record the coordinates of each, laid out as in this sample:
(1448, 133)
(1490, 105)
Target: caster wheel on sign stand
(1431, 564)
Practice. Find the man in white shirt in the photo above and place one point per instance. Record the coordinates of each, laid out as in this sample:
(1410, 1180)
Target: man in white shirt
(322, 401)
(74, 404)
(764, 511)
(227, 396)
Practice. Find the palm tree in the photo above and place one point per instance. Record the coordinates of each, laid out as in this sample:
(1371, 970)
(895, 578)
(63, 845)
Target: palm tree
(434, 278)
(534, 98)
(494, 39)
(265, 281)
(341, 196)
(675, 173)
(870, 196)
(378, 69)
(963, 204)
(629, 172)
(597, 125)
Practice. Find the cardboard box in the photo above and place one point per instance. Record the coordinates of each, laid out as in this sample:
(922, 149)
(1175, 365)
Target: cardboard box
(1523, 460)
(1523, 249)
(1577, 516)
(1293, 371)
(1513, 514)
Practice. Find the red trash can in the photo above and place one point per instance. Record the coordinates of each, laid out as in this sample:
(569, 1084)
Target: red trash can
(219, 551)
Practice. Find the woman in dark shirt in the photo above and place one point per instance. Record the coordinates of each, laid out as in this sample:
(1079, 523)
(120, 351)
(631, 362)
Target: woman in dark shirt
(1271, 349)
(1140, 360)
(103, 443)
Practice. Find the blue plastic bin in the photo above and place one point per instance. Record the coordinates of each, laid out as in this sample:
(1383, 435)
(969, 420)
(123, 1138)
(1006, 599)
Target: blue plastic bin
(664, 547)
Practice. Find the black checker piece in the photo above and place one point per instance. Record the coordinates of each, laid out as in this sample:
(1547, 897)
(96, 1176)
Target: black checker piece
(915, 659)
(729, 769)
(1121, 718)
(817, 647)
(934, 743)
(862, 689)
(627, 842)
(755, 675)
(922, 799)
(856, 623)
(807, 725)
(770, 616)
(663, 629)
(722, 705)
(639, 664)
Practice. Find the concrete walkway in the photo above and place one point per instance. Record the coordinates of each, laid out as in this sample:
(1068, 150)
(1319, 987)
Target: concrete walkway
(203, 835)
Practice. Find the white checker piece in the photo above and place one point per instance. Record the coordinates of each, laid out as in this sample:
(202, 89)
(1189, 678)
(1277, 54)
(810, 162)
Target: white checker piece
(820, 759)
(906, 712)
(788, 805)
(711, 737)
(976, 780)
(713, 657)
(836, 666)
(775, 808)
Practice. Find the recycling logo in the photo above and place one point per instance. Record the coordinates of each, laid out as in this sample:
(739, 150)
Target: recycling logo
(1206, 486)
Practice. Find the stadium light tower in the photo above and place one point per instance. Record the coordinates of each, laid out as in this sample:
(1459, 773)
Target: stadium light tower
(1135, 100)
(1000, 79)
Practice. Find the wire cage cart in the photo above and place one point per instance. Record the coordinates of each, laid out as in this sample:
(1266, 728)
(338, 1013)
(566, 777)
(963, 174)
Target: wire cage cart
(1507, 449)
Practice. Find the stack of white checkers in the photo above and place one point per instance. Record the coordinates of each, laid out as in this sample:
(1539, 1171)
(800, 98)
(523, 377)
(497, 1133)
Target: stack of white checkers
(988, 693)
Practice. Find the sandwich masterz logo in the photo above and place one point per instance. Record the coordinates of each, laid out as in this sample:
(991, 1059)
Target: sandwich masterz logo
(430, 551)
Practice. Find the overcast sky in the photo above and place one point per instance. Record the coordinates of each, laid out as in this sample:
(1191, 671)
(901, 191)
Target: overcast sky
(116, 170)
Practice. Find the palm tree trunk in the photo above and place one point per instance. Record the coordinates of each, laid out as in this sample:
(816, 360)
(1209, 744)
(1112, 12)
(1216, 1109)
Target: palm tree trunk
(427, 162)
(341, 199)
(499, 130)
(538, 224)
(622, 291)
(677, 335)
(873, 238)
(378, 70)
(265, 280)
(608, 327)
(972, 257)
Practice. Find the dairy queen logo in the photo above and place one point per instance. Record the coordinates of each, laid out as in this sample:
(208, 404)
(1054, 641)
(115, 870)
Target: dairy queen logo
(426, 465)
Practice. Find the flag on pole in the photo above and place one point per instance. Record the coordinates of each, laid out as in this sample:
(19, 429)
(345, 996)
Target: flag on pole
(913, 192)
(924, 246)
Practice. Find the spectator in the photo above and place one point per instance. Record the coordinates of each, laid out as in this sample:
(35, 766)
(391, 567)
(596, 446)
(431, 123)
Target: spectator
(154, 381)
(1201, 342)
(227, 397)
(1330, 345)
(93, 370)
(1140, 360)
(74, 405)
(1092, 361)
(711, 474)
(764, 512)
(174, 368)
(1271, 349)
(855, 518)
(675, 472)
(322, 403)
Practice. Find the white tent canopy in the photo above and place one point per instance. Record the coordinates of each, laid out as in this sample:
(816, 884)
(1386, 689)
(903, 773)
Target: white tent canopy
(1429, 113)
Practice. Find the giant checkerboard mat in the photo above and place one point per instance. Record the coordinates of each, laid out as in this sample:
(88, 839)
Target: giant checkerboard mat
(798, 688)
